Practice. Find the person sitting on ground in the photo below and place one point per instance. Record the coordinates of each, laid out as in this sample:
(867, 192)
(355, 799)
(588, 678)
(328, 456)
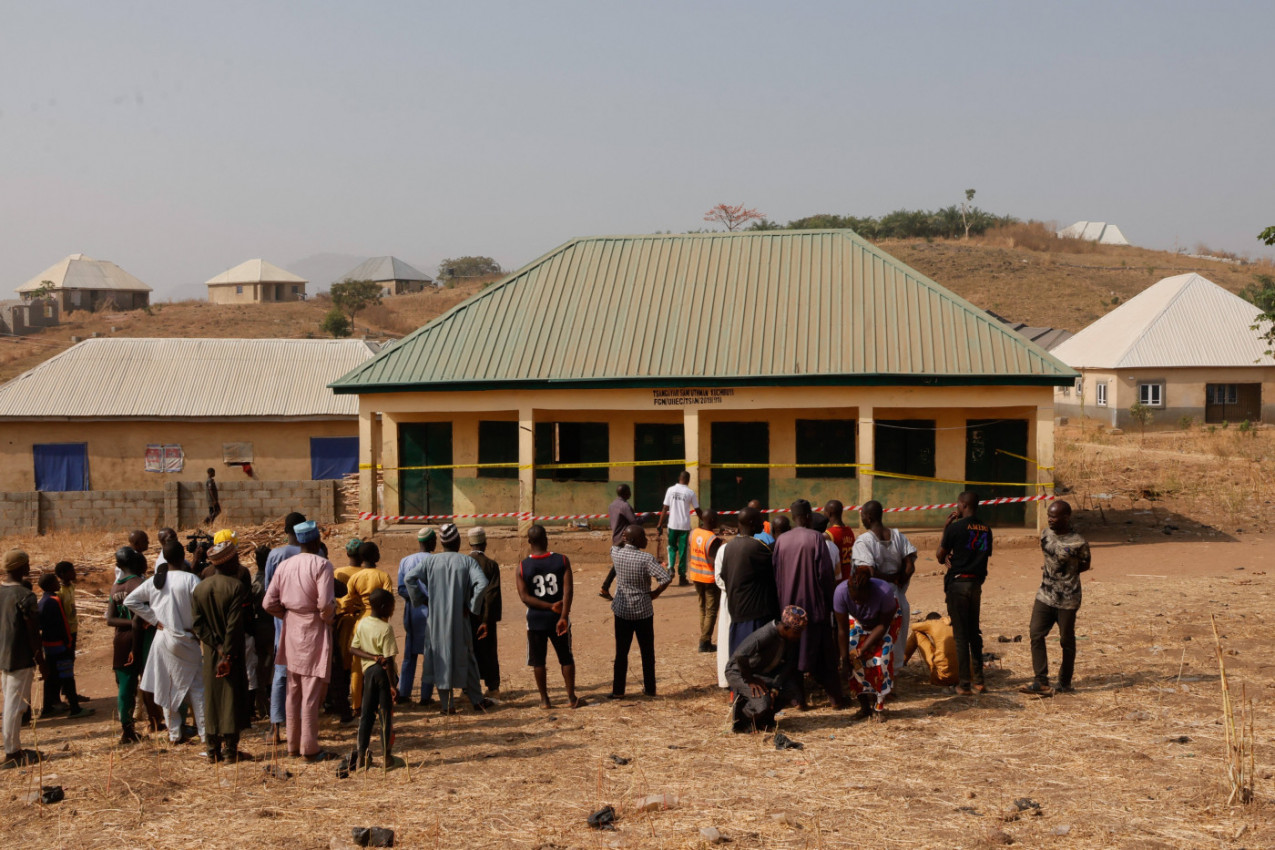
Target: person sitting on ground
(59, 659)
(375, 647)
(1058, 600)
(20, 653)
(868, 621)
(634, 614)
(934, 637)
(546, 587)
(218, 604)
(761, 671)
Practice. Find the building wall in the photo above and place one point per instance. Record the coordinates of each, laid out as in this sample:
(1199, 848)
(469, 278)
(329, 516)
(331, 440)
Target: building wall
(780, 407)
(98, 299)
(180, 504)
(1184, 393)
(255, 293)
(117, 449)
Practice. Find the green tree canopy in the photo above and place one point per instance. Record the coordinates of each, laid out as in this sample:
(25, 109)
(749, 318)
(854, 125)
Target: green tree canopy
(335, 323)
(458, 268)
(354, 296)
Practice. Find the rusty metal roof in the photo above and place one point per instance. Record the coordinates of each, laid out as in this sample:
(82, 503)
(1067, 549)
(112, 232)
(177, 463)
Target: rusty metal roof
(761, 308)
(187, 378)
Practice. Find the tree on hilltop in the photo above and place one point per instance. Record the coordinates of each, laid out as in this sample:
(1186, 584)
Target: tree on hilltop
(354, 296)
(733, 217)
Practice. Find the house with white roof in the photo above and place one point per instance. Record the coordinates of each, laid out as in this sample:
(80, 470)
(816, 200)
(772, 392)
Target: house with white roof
(255, 282)
(78, 282)
(1184, 347)
(1094, 231)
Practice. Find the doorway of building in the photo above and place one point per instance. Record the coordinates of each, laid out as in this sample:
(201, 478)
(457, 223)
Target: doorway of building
(731, 488)
(1232, 403)
(656, 442)
(425, 491)
(986, 444)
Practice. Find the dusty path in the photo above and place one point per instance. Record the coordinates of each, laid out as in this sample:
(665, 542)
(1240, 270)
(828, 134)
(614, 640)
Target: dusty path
(1131, 760)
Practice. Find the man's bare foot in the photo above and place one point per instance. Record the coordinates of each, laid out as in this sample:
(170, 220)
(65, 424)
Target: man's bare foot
(962, 691)
(579, 702)
(878, 716)
(980, 689)
(545, 704)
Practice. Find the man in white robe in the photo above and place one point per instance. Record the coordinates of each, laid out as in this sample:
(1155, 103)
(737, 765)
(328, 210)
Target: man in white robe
(174, 669)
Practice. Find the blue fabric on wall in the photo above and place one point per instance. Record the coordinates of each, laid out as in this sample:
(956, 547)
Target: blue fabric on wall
(333, 457)
(61, 467)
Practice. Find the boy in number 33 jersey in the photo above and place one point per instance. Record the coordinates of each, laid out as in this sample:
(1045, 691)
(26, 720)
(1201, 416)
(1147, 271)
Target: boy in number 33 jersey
(545, 587)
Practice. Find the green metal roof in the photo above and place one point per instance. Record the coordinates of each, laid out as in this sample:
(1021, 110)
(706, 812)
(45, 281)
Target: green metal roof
(759, 308)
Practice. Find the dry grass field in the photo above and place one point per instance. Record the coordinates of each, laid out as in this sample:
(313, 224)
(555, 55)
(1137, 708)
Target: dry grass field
(1133, 759)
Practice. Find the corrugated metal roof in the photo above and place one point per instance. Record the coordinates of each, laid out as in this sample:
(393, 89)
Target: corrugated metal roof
(381, 269)
(1184, 320)
(255, 271)
(768, 307)
(187, 378)
(80, 272)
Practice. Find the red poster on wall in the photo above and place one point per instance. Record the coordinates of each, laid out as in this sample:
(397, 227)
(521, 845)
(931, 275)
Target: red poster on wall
(154, 458)
(174, 458)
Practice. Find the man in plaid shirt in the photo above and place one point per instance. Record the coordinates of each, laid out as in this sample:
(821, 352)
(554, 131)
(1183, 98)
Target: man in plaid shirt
(634, 614)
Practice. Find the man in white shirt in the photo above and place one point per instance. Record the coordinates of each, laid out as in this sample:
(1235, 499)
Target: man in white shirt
(679, 504)
(892, 558)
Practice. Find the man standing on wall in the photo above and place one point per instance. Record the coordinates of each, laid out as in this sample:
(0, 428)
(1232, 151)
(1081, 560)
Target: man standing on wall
(704, 544)
(679, 504)
(965, 550)
(214, 501)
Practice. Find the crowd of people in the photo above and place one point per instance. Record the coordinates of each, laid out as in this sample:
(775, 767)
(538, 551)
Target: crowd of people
(203, 646)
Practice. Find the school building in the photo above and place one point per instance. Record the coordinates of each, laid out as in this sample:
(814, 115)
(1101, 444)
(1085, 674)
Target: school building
(772, 365)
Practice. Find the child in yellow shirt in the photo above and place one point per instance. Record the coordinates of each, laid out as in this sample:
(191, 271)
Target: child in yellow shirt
(374, 643)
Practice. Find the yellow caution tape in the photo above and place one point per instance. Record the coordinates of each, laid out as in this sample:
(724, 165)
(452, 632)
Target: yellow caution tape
(1022, 457)
(781, 465)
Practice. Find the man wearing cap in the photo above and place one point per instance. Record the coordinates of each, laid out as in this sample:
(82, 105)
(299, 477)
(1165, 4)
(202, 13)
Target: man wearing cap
(453, 584)
(762, 670)
(20, 652)
(279, 685)
(415, 622)
(218, 605)
(486, 648)
(300, 596)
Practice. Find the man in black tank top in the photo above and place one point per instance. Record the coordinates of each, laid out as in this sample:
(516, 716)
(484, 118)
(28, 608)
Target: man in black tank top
(545, 587)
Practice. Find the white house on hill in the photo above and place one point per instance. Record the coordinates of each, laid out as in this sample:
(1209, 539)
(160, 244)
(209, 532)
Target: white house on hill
(1094, 231)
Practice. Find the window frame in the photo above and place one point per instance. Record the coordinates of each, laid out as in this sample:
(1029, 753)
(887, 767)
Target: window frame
(908, 433)
(1230, 394)
(498, 448)
(813, 449)
(1100, 393)
(577, 439)
(1151, 394)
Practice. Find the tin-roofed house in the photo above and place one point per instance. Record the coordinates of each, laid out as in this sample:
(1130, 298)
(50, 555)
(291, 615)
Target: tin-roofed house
(255, 282)
(395, 276)
(138, 416)
(771, 365)
(78, 282)
(1183, 347)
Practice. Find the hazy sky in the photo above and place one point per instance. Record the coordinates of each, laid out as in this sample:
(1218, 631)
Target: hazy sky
(178, 139)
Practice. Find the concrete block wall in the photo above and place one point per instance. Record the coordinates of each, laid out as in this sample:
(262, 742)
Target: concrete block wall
(19, 512)
(179, 504)
(100, 509)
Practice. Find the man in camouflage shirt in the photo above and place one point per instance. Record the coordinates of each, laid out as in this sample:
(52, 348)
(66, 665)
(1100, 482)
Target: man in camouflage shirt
(1058, 600)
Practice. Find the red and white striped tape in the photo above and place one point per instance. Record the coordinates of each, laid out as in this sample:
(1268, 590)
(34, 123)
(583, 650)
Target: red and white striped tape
(1007, 500)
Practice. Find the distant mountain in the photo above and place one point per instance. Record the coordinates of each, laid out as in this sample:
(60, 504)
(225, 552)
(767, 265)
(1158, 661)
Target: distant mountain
(323, 270)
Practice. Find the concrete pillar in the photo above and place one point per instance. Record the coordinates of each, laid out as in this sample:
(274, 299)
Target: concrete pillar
(1044, 441)
(390, 495)
(867, 450)
(369, 460)
(526, 468)
(690, 431)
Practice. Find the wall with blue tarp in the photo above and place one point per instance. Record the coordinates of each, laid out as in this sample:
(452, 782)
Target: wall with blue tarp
(61, 467)
(333, 457)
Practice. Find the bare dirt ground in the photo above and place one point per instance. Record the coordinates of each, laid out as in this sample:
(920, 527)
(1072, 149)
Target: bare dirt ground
(1132, 759)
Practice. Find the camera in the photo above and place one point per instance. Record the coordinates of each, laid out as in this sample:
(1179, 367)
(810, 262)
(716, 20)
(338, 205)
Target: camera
(198, 540)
